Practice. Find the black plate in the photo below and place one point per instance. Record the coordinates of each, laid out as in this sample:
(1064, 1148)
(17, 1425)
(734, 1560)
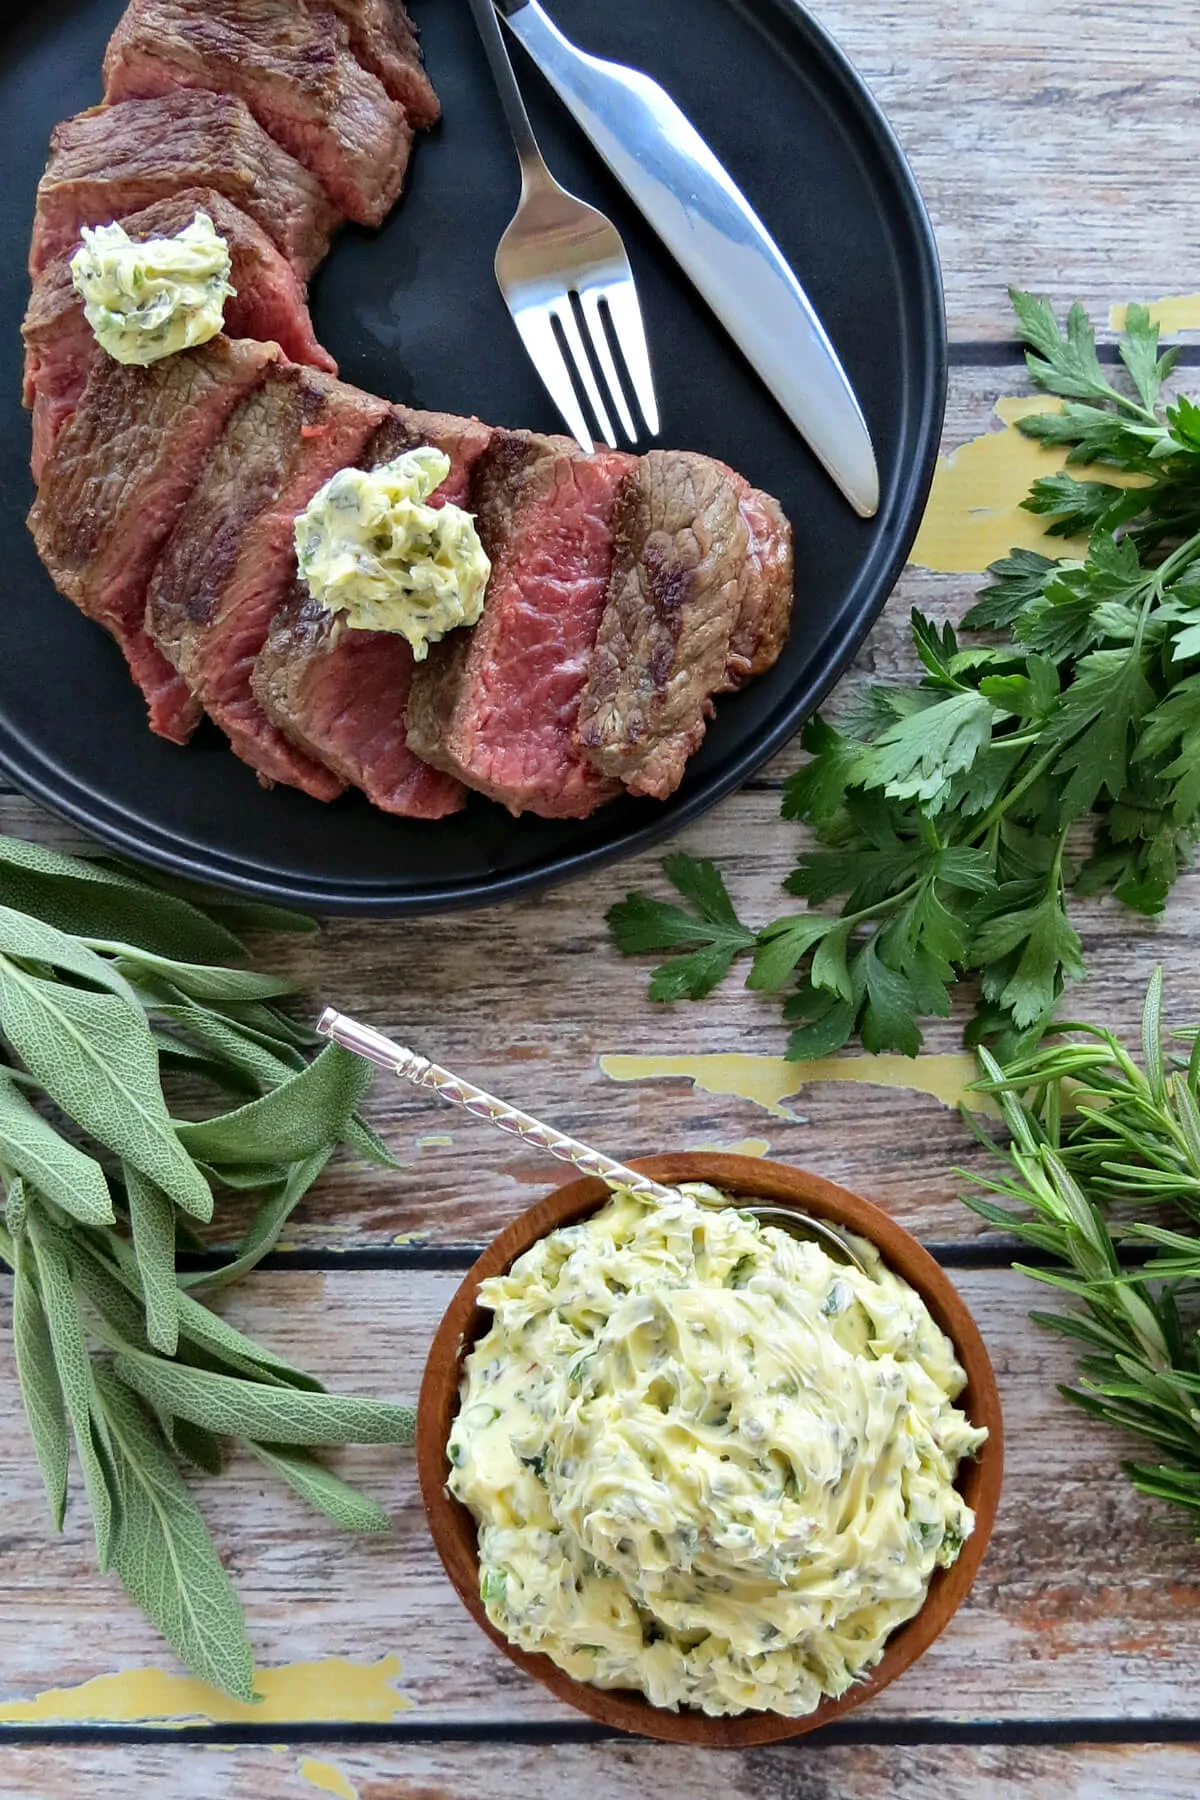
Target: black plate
(413, 313)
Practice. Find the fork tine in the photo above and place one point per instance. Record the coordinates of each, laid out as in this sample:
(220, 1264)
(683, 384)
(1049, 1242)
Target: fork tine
(626, 314)
(537, 333)
(589, 299)
(565, 315)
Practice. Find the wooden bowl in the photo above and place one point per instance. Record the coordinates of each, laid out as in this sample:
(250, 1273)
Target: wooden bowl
(454, 1528)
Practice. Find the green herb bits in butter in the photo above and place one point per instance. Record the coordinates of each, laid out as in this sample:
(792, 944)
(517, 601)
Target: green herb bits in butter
(146, 301)
(707, 1461)
(372, 550)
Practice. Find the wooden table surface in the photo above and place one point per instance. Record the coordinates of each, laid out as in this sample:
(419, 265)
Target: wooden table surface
(1057, 144)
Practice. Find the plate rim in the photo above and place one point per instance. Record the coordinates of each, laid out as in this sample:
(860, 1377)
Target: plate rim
(110, 822)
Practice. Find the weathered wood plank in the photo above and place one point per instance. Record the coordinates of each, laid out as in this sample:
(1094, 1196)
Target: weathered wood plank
(1088, 1604)
(602, 1772)
(1053, 139)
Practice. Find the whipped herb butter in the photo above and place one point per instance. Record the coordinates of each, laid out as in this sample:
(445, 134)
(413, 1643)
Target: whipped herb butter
(371, 549)
(706, 1460)
(148, 300)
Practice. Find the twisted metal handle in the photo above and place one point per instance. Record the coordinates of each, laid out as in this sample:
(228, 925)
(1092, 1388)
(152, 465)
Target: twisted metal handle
(450, 1087)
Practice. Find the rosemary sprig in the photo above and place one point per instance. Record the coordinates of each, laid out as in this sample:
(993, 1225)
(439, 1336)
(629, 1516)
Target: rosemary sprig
(1105, 1156)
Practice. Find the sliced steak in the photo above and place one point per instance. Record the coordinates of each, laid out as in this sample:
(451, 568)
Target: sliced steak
(290, 61)
(674, 600)
(59, 345)
(114, 160)
(384, 39)
(342, 695)
(765, 607)
(498, 706)
(231, 561)
(121, 474)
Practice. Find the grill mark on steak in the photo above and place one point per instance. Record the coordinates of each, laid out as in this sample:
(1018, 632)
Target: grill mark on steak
(59, 346)
(113, 160)
(673, 601)
(120, 475)
(231, 561)
(765, 607)
(290, 61)
(498, 706)
(385, 41)
(342, 695)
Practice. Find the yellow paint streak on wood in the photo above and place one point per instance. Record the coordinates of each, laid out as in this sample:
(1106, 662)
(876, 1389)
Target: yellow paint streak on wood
(332, 1691)
(329, 1779)
(767, 1081)
(740, 1147)
(1174, 312)
(974, 514)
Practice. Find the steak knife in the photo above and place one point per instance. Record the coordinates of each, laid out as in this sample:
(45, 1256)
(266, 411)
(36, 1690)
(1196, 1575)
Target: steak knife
(717, 238)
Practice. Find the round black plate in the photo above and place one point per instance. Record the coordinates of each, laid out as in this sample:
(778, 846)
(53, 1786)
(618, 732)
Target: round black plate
(412, 312)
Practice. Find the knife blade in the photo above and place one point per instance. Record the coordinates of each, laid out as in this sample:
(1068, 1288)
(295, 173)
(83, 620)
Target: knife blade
(717, 238)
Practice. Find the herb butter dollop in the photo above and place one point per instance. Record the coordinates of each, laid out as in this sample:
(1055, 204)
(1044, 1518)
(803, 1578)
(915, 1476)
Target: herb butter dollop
(149, 300)
(372, 550)
(706, 1460)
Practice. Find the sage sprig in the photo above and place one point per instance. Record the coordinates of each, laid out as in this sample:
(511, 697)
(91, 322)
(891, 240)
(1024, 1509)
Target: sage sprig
(1103, 1177)
(113, 987)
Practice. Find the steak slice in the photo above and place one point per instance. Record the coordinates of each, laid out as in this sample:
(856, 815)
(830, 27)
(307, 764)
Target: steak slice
(120, 476)
(498, 706)
(342, 695)
(231, 560)
(113, 160)
(59, 345)
(663, 644)
(385, 41)
(765, 609)
(290, 61)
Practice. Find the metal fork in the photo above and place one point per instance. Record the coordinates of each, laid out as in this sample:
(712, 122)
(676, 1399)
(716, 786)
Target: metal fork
(557, 246)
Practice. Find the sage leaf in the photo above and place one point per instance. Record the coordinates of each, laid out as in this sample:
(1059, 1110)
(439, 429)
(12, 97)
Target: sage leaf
(200, 981)
(165, 1556)
(75, 1376)
(34, 941)
(323, 1489)
(83, 896)
(225, 1343)
(309, 1110)
(94, 1056)
(265, 1227)
(41, 1390)
(194, 1445)
(114, 1293)
(236, 1408)
(236, 913)
(49, 1162)
(366, 1140)
(152, 1219)
(235, 1046)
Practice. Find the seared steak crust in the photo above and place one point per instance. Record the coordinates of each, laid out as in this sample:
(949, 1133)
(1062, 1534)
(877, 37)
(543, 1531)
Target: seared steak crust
(119, 478)
(114, 160)
(384, 39)
(231, 561)
(673, 601)
(765, 607)
(342, 696)
(269, 304)
(498, 706)
(290, 61)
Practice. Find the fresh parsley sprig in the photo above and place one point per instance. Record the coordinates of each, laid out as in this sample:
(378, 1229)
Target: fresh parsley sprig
(944, 812)
(112, 986)
(1092, 1131)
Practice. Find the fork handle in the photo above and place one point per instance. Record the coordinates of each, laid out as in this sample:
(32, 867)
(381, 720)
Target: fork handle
(504, 76)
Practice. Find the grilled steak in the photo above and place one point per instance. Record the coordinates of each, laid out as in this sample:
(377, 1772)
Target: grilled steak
(59, 345)
(384, 39)
(673, 602)
(290, 61)
(114, 160)
(342, 695)
(118, 479)
(765, 609)
(498, 706)
(230, 562)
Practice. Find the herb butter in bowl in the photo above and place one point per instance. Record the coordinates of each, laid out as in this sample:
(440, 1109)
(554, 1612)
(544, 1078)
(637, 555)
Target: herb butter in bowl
(703, 1481)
